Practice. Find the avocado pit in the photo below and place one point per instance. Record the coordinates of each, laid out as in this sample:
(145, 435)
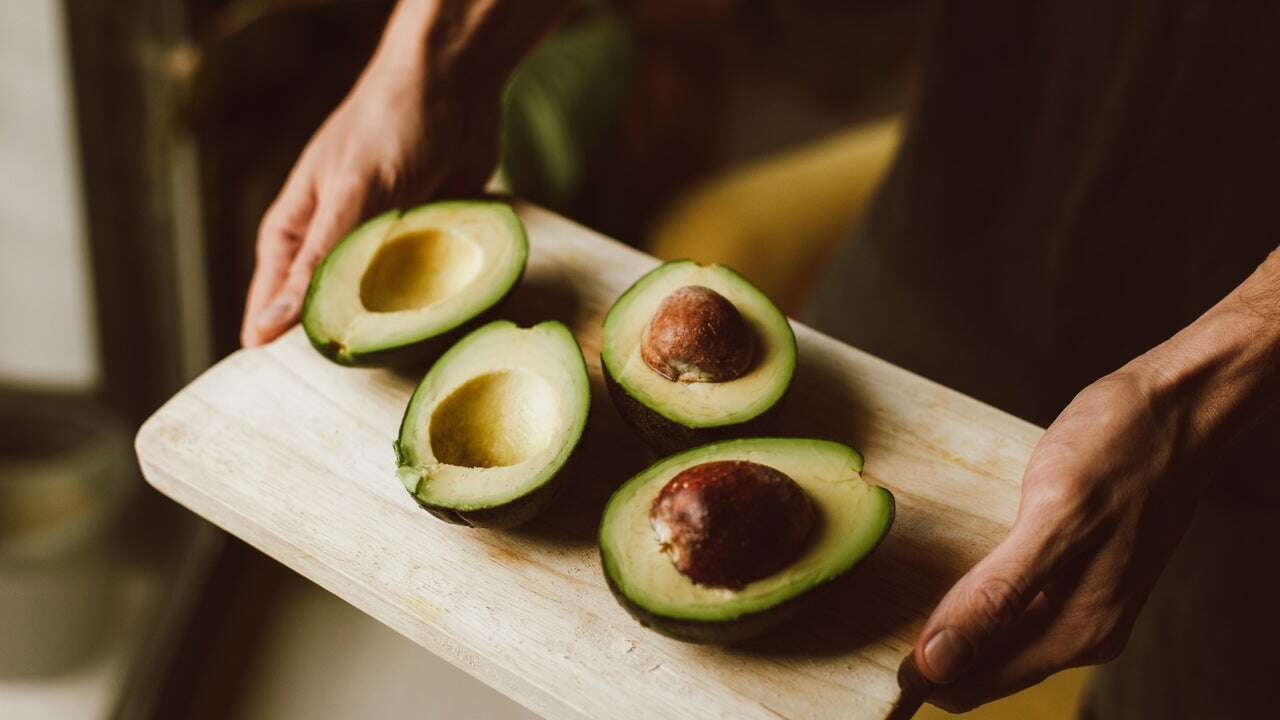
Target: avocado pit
(727, 523)
(698, 335)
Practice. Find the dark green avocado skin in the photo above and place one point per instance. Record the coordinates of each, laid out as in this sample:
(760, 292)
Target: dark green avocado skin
(665, 436)
(744, 627)
(702, 632)
(501, 517)
(407, 356)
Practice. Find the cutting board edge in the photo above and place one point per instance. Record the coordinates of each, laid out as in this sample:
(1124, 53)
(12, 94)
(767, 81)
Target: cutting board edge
(493, 674)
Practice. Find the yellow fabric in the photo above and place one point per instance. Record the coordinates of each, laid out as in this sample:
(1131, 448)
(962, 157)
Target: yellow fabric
(776, 220)
(1057, 698)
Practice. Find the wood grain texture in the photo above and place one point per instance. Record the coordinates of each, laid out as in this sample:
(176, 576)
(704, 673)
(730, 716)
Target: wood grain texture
(293, 454)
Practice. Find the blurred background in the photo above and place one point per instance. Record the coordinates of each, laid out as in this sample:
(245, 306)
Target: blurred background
(141, 141)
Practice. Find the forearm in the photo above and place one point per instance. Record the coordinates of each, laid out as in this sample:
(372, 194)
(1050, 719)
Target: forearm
(1226, 364)
(469, 43)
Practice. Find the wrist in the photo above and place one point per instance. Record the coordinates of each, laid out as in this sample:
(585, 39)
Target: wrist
(1222, 372)
(468, 47)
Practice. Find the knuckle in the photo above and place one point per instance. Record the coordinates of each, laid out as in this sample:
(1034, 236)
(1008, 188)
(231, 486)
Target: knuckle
(388, 175)
(308, 260)
(274, 233)
(998, 601)
(1068, 506)
(278, 215)
(1108, 417)
(1056, 500)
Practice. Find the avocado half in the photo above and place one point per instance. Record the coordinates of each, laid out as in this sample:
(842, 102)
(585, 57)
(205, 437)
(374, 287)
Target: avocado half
(670, 415)
(853, 517)
(404, 285)
(492, 424)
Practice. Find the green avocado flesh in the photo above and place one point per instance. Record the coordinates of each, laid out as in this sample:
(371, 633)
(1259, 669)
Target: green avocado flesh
(652, 402)
(854, 516)
(493, 422)
(412, 280)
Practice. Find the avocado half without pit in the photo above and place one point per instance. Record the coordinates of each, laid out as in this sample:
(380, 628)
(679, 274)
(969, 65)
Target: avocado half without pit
(723, 542)
(493, 423)
(404, 285)
(693, 353)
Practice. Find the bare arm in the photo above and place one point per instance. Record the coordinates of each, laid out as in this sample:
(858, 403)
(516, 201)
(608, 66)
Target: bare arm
(421, 121)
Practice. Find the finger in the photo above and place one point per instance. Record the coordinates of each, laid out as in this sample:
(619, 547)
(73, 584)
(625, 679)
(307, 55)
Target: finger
(986, 602)
(1040, 643)
(281, 233)
(1081, 616)
(334, 216)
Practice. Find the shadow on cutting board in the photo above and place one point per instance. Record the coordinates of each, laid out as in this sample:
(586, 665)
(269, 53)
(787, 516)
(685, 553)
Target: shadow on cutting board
(607, 456)
(821, 404)
(535, 299)
(539, 298)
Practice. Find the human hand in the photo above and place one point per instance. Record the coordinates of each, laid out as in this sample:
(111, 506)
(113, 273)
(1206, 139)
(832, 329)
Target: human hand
(392, 141)
(422, 120)
(1106, 496)
(1108, 492)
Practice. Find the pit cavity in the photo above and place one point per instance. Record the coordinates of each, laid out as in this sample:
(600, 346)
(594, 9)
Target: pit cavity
(495, 420)
(419, 269)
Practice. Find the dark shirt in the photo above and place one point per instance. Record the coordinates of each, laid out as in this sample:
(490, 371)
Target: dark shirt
(1078, 180)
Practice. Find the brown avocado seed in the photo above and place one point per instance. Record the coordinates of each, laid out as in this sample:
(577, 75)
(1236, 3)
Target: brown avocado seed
(727, 523)
(697, 335)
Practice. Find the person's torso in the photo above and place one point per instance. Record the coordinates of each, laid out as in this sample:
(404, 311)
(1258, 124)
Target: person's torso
(1078, 181)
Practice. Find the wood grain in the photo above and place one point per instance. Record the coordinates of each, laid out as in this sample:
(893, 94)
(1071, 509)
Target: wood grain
(293, 454)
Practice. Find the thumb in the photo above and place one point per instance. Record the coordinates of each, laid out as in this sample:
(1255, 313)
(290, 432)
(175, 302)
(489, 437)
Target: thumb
(984, 604)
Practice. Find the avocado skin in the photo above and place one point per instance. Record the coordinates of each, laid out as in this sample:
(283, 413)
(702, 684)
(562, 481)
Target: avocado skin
(405, 356)
(501, 517)
(744, 627)
(415, 354)
(706, 632)
(665, 436)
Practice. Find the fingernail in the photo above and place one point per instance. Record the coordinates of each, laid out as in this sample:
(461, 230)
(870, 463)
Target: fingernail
(946, 654)
(276, 313)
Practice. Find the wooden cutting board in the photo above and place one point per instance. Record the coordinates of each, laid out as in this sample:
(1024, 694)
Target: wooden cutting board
(293, 454)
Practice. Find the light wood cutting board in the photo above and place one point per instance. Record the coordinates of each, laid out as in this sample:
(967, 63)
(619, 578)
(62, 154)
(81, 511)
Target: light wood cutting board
(293, 454)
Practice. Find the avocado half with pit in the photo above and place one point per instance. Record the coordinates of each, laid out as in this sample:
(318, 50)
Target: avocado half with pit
(493, 423)
(723, 542)
(694, 353)
(404, 285)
